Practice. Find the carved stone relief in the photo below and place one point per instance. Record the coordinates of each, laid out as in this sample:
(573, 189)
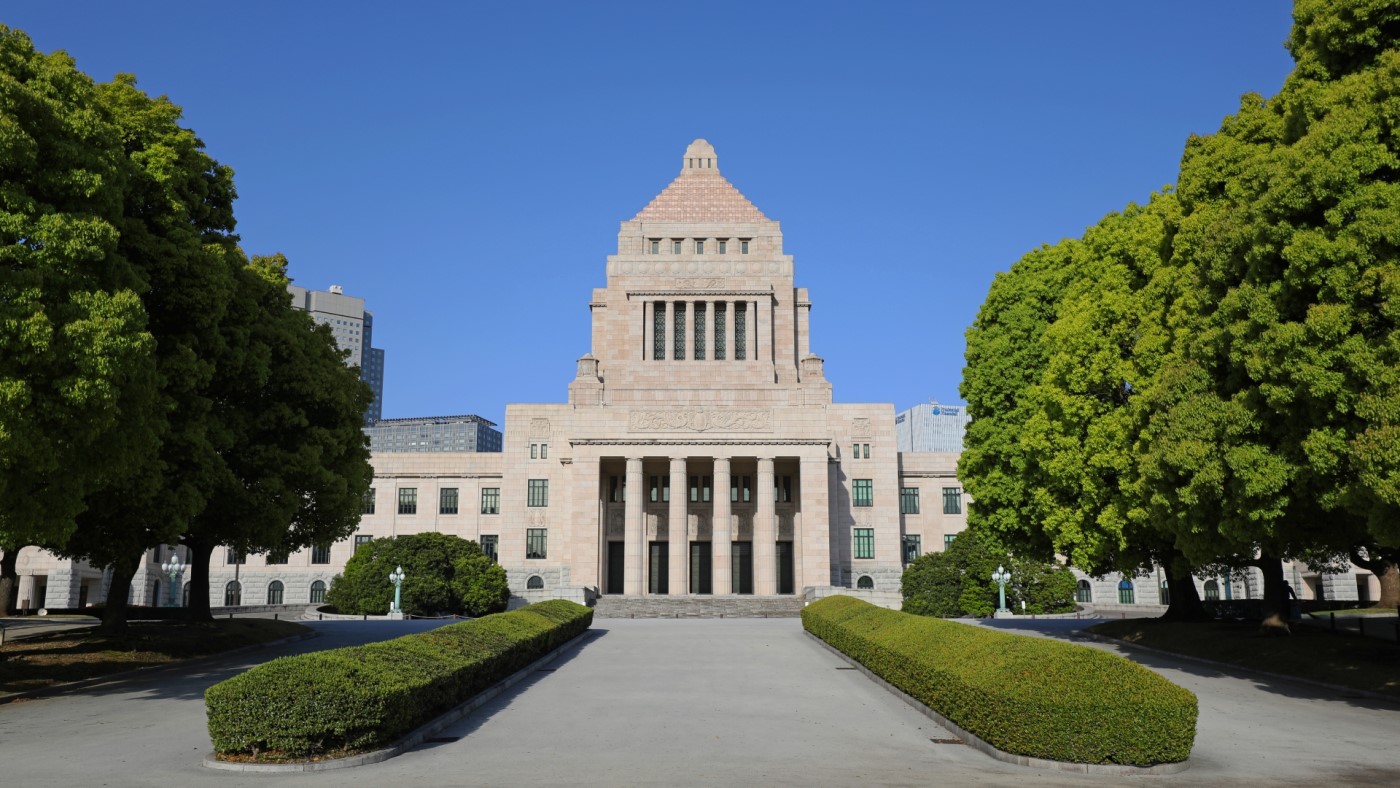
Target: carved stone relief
(700, 420)
(535, 517)
(699, 284)
(860, 427)
(539, 428)
(616, 525)
(785, 527)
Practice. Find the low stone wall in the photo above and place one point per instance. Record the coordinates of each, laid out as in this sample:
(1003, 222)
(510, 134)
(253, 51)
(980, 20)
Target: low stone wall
(892, 600)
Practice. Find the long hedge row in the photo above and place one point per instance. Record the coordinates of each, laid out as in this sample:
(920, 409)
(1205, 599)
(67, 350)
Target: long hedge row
(365, 697)
(1024, 695)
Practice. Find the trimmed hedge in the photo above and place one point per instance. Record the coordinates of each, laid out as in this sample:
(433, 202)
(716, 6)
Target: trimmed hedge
(1024, 695)
(364, 697)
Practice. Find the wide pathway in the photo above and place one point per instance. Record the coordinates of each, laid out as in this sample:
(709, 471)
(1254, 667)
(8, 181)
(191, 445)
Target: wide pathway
(694, 702)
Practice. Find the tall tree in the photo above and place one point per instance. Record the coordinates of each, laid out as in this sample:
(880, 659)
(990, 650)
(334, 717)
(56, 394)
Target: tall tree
(288, 423)
(77, 379)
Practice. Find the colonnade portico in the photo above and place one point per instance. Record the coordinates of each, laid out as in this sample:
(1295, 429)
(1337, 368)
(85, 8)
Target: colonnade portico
(684, 525)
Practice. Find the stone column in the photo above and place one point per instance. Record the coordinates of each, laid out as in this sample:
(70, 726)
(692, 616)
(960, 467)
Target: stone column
(720, 535)
(815, 535)
(729, 330)
(678, 521)
(648, 329)
(633, 531)
(762, 318)
(765, 554)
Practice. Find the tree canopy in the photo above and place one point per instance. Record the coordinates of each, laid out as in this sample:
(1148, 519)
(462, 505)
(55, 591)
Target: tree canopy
(443, 574)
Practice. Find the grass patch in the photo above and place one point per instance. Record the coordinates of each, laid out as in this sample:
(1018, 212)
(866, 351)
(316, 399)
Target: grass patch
(61, 657)
(1364, 611)
(1310, 653)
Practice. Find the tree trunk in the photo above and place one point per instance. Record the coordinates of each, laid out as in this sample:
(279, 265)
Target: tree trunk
(200, 554)
(114, 615)
(9, 578)
(1185, 602)
(1276, 597)
(1384, 567)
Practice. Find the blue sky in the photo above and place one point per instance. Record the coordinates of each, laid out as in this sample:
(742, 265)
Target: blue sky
(464, 166)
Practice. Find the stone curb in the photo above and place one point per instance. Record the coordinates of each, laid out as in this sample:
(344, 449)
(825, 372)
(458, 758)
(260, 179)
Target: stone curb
(978, 744)
(1227, 666)
(126, 674)
(409, 741)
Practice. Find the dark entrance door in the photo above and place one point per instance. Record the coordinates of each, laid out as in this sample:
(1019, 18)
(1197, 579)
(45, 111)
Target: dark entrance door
(700, 568)
(742, 557)
(659, 576)
(615, 566)
(785, 568)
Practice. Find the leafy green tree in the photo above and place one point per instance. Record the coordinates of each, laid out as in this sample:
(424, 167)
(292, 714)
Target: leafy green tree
(439, 571)
(77, 379)
(958, 581)
(287, 423)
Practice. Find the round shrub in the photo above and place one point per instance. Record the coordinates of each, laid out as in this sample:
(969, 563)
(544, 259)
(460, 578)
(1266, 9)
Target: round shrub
(443, 574)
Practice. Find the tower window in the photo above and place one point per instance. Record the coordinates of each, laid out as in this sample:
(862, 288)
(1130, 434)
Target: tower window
(658, 331)
(723, 245)
(740, 318)
(699, 331)
(743, 246)
(656, 246)
(676, 246)
(719, 329)
(699, 246)
(679, 344)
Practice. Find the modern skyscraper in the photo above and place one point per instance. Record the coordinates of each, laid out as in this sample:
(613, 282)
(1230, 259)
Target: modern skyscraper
(353, 328)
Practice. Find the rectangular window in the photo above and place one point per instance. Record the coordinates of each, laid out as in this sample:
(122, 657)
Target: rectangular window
(855, 451)
(912, 547)
(232, 556)
(534, 451)
(723, 245)
(655, 493)
(362, 539)
(658, 331)
(321, 553)
(679, 344)
(740, 316)
(277, 558)
(538, 493)
(865, 542)
(705, 489)
(719, 329)
(489, 546)
(676, 246)
(695, 489)
(908, 500)
(618, 491)
(864, 493)
(699, 331)
(782, 489)
(368, 507)
(748, 491)
(490, 500)
(656, 246)
(699, 246)
(408, 500)
(948, 541)
(544, 451)
(743, 246)
(952, 500)
(866, 446)
(536, 542)
(447, 500)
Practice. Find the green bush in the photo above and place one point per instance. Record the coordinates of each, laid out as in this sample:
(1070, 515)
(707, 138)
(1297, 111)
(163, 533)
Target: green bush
(958, 581)
(443, 574)
(1024, 695)
(364, 697)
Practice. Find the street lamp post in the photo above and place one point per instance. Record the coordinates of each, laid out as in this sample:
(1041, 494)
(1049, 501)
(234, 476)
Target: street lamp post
(396, 577)
(1001, 577)
(173, 568)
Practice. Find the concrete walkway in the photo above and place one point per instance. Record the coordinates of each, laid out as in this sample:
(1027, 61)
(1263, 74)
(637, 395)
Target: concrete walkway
(691, 702)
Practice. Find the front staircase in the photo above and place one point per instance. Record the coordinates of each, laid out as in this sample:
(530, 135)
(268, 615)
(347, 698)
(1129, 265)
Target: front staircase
(743, 606)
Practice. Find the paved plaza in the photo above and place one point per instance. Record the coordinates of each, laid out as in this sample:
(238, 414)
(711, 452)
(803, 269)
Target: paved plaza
(686, 702)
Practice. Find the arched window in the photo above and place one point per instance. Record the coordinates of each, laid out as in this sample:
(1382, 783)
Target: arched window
(1083, 592)
(1164, 597)
(233, 594)
(865, 582)
(1125, 592)
(185, 596)
(535, 583)
(318, 592)
(274, 592)
(1212, 590)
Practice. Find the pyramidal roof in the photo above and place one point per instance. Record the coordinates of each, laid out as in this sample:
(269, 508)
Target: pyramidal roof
(700, 194)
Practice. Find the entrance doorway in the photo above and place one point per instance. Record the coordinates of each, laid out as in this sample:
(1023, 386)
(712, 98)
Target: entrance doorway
(742, 559)
(615, 566)
(700, 574)
(658, 574)
(785, 575)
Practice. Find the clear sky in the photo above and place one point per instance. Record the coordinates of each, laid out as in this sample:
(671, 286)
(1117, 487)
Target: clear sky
(463, 166)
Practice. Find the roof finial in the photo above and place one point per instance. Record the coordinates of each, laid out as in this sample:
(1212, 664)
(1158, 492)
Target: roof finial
(699, 156)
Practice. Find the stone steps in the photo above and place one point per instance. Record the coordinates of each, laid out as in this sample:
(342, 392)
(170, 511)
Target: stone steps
(698, 607)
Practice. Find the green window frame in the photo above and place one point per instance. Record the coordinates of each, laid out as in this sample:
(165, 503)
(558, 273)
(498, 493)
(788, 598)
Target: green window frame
(913, 547)
(863, 492)
(321, 553)
(447, 500)
(490, 500)
(408, 500)
(536, 542)
(948, 541)
(368, 505)
(538, 493)
(952, 500)
(864, 542)
(908, 500)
